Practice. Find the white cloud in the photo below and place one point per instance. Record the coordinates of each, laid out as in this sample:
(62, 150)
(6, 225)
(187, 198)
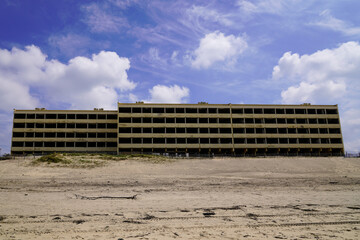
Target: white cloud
(264, 6)
(216, 47)
(171, 94)
(335, 24)
(211, 15)
(27, 76)
(101, 21)
(329, 76)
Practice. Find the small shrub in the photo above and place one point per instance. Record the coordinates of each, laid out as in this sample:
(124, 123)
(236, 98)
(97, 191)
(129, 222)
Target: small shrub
(53, 158)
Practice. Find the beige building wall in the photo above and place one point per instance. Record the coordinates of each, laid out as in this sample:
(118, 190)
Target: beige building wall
(226, 129)
(230, 129)
(39, 131)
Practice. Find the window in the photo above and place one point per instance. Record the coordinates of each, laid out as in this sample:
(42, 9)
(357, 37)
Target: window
(224, 110)
(124, 110)
(237, 111)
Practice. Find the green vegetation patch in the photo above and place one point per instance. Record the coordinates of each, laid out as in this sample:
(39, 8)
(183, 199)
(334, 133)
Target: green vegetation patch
(91, 160)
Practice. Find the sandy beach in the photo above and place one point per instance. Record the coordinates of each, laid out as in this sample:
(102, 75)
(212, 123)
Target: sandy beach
(243, 198)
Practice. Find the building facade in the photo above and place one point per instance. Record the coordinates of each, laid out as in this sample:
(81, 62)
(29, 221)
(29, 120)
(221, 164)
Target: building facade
(205, 129)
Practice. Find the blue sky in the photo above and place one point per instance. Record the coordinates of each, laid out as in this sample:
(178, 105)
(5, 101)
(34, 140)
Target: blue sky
(85, 54)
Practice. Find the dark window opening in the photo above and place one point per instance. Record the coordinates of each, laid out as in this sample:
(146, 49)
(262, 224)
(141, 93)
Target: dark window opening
(70, 144)
(124, 120)
(214, 130)
(170, 120)
(101, 135)
(181, 140)
(271, 130)
(50, 125)
(270, 120)
(272, 141)
(91, 144)
(204, 140)
(280, 111)
(124, 110)
(81, 135)
(170, 140)
(101, 116)
(92, 135)
(333, 121)
(260, 140)
(312, 121)
(203, 120)
(80, 144)
(214, 140)
(111, 116)
(81, 125)
(314, 131)
(315, 141)
(250, 130)
(192, 140)
(336, 140)
(300, 111)
(49, 144)
(331, 111)
(191, 120)
(93, 116)
(180, 110)
(180, 120)
(212, 110)
(283, 140)
(170, 130)
(290, 121)
(203, 110)
(320, 111)
(158, 130)
(38, 144)
(224, 120)
(237, 111)
(225, 140)
(147, 130)
(147, 140)
(311, 111)
(18, 134)
(101, 125)
(136, 110)
(250, 141)
(158, 110)
(238, 120)
(170, 110)
(50, 116)
(281, 121)
(50, 135)
(301, 121)
(258, 110)
(30, 116)
(225, 130)
(136, 120)
(92, 125)
(269, 111)
(180, 130)
(111, 135)
(192, 130)
(302, 130)
(224, 110)
(21, 125)
(146, 120)
(191, 110)
(146, 110)
(282, 131)
(136, 140)
(111, 125)
(80, 116)
(334, 130)
(124, 140)
(292, 140)
(260, 130)
(291, 130)
(248, 111)
(304, 140)
(239, 130)
(204, 130)
(239, 140)
(289, 111)
(213, 120)
(124, 130)
(249, 120)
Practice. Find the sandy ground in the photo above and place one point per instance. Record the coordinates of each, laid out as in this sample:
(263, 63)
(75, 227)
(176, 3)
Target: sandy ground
(258, 198)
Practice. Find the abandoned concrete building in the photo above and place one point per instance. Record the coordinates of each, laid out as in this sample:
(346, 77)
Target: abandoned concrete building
(199, 129)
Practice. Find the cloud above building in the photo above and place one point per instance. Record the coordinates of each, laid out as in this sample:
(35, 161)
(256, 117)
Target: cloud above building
(215, 48)
(329, 76)
(29, 79)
